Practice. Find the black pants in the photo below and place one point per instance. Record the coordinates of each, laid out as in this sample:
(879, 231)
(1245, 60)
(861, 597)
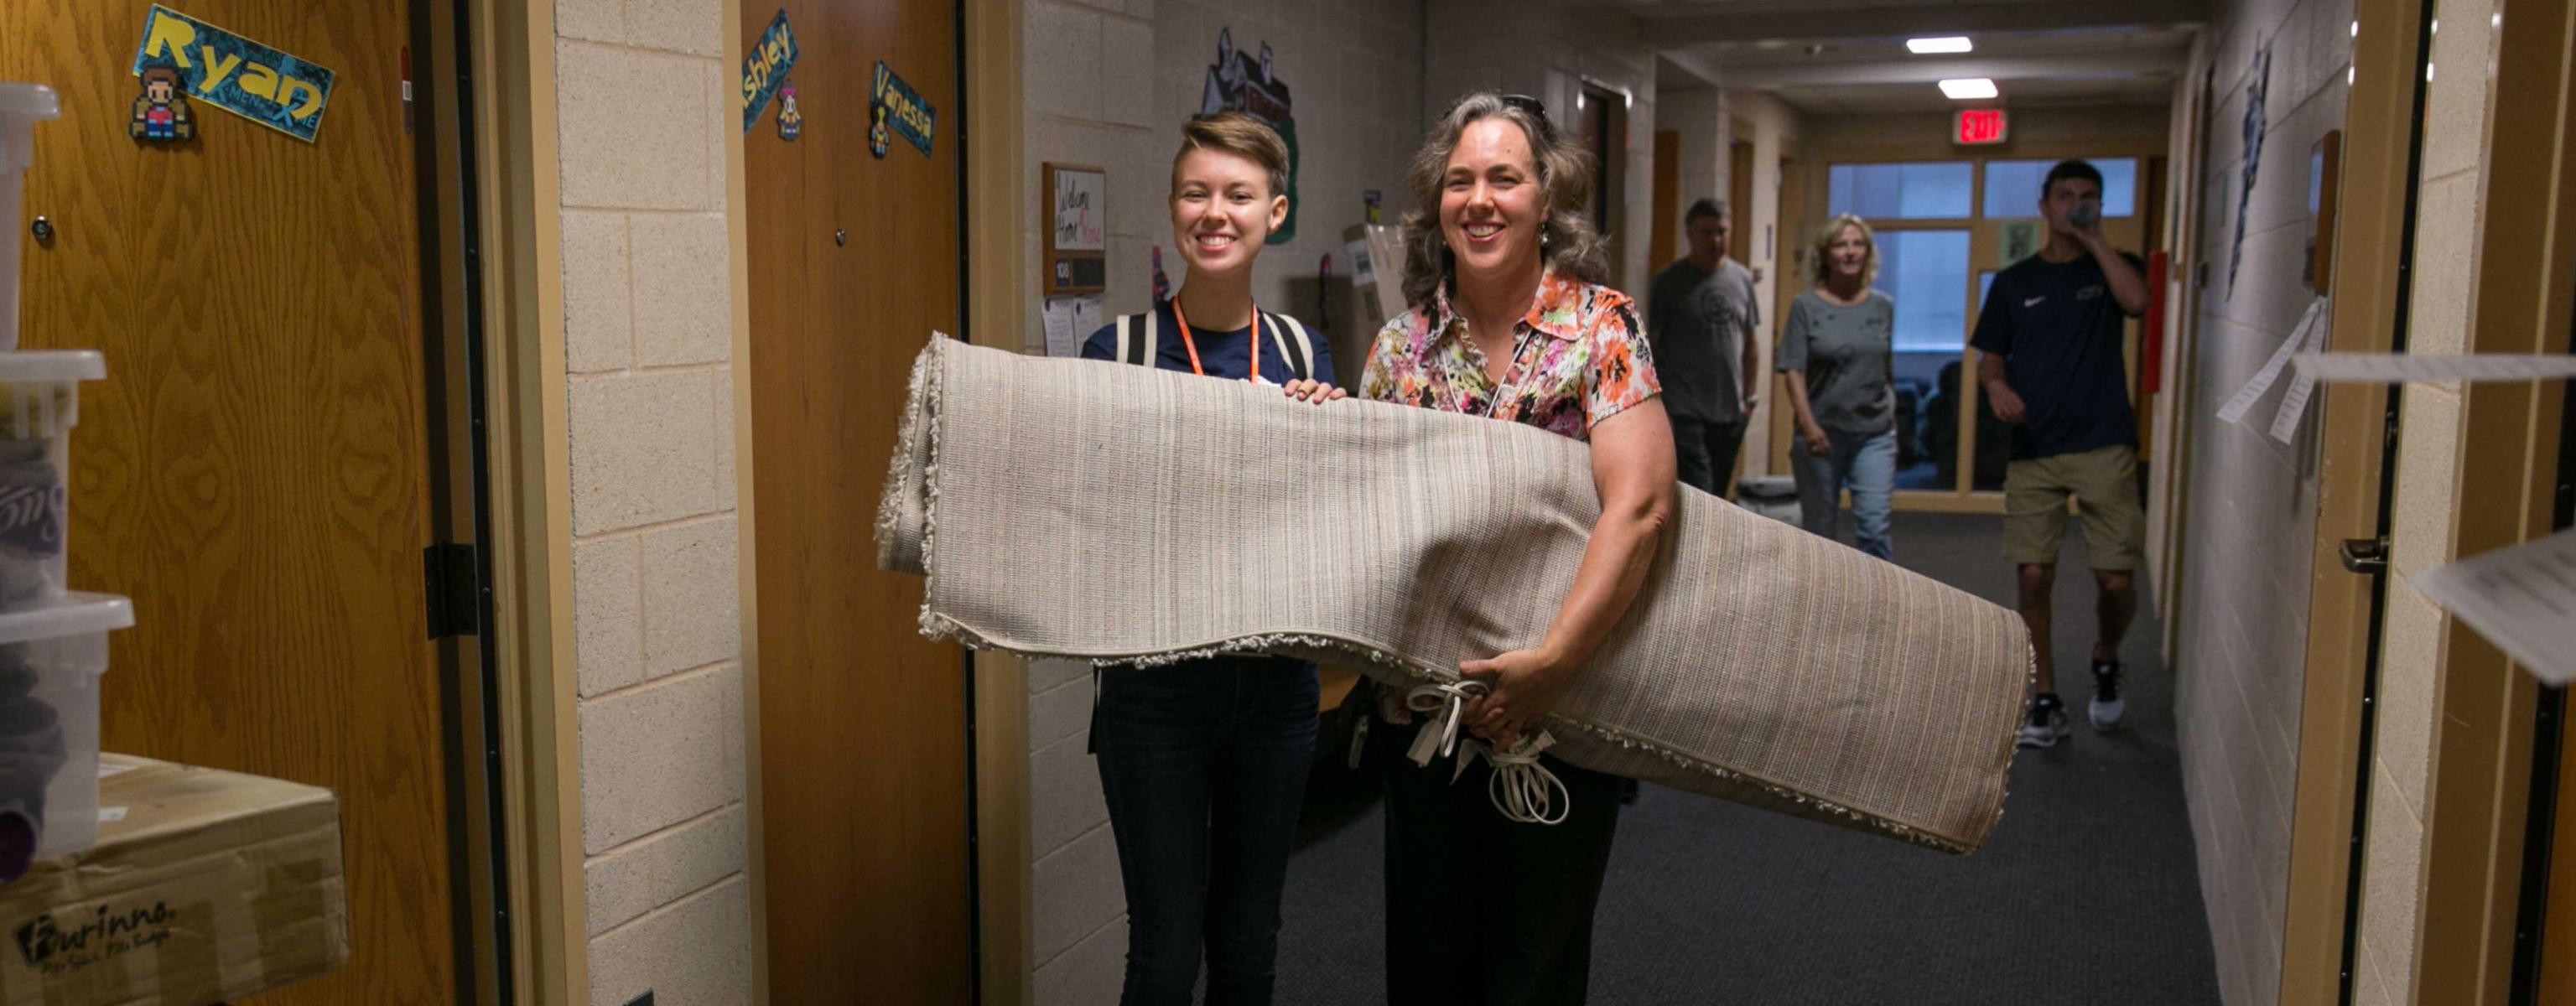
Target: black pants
(1203, 766)
(1704, 452)
(1480, 910)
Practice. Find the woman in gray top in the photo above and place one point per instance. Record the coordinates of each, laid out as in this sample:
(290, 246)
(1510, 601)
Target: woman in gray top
(1836, 350)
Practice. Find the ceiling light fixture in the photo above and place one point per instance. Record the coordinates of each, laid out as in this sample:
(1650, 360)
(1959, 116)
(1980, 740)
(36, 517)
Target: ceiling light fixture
(1971, 89)
(1942, 44)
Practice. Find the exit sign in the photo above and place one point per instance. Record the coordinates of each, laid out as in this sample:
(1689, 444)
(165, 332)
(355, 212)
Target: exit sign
(1978, 126)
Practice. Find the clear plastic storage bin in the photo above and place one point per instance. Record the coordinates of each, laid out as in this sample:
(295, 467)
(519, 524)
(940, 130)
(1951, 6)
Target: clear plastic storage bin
(21, 107)
(50, 662)
(39, 405)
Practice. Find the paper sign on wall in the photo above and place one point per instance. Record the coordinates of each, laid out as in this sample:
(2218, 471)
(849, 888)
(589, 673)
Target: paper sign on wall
(1081, 217)
(2522, 599)
(2396, 368)
(2235, 409)
(1086, 320)
(1069, 321)
(1057, 314)
(765, 70)
(2020, 240)
(232, 73)
(2294, 403)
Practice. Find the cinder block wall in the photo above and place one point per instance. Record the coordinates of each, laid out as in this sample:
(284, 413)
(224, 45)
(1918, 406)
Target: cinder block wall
(642, 103)
(2253, 499)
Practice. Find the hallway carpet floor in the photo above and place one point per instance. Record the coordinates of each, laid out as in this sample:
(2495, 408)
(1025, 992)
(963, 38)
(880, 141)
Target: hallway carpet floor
(2085, 893)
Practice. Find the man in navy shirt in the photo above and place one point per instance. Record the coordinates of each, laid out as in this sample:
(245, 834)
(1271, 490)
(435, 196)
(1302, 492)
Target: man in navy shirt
(2051, 345)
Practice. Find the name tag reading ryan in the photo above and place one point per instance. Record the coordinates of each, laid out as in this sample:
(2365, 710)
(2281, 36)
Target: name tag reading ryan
(264, 85)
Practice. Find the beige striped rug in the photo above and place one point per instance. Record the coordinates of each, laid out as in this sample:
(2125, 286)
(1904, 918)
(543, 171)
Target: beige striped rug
(1121, 514)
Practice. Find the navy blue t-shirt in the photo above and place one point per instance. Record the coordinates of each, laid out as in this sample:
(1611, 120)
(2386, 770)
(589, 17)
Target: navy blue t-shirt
(2060, 332)
(1221, 354)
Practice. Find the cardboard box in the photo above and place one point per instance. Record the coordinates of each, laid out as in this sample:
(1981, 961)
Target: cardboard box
(210, 886)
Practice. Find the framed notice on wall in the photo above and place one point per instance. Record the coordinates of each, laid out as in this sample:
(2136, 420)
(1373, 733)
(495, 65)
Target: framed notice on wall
(1077, 236)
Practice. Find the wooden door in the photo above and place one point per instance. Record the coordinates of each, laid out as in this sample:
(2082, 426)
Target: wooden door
(253, 471)
(862, 723)
(1788, 279)
(1739, 194)
(1665, 245)
(2556, 981)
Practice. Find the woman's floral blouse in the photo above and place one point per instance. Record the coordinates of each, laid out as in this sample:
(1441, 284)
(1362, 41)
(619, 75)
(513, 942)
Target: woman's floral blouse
(1580, 358)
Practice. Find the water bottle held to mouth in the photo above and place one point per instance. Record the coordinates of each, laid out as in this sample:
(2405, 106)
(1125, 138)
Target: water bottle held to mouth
(2084, 216)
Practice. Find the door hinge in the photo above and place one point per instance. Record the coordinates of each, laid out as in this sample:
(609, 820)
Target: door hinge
(2367, 556)
(450, 591)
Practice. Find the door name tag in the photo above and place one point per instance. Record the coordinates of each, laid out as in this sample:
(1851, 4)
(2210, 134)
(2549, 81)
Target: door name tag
(899, 109)
(765, 70)
(235, 74)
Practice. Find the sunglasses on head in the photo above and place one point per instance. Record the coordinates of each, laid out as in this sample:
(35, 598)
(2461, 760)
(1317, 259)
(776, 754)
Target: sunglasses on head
(1535, 108)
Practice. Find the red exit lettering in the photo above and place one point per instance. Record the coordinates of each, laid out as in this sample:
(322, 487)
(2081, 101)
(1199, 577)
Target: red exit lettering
(1978, 126)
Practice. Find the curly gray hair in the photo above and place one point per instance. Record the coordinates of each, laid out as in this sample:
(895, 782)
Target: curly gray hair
(1570, 245)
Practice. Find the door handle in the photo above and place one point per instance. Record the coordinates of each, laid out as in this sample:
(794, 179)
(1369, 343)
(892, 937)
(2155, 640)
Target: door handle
(2367, 556)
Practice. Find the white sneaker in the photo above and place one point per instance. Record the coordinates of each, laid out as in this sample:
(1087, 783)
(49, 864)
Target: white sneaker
(2107, 706)
(2047, 722)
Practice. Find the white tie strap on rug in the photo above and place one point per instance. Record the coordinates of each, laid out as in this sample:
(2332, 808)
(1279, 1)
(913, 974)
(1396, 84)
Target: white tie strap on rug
(1126, 515)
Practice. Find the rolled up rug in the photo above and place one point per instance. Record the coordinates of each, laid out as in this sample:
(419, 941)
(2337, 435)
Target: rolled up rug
(1126, 515)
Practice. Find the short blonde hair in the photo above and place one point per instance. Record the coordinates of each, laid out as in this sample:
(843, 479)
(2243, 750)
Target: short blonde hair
(1819, 263)
(1238, 134)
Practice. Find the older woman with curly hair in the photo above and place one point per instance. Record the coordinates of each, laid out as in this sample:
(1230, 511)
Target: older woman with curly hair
(1510, 319)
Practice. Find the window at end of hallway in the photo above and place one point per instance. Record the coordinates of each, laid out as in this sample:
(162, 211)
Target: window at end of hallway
(2012, 187)
(1927, 190)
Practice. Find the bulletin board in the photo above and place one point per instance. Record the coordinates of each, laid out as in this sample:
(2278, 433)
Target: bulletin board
(1077, 235)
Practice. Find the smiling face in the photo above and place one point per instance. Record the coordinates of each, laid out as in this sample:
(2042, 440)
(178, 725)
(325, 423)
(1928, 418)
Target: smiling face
(1222, 210)
(1848, 256)
(1491, 202)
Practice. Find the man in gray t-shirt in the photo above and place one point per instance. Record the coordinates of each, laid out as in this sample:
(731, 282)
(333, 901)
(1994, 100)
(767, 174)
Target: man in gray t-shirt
(1700, 317)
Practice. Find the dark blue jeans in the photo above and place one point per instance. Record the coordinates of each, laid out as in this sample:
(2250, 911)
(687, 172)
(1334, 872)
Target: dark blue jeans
(1204, 764)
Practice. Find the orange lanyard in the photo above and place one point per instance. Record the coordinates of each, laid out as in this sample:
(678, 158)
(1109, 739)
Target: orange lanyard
(1194, 345)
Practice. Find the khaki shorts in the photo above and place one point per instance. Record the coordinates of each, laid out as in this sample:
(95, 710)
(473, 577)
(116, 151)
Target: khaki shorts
(2104, 482)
